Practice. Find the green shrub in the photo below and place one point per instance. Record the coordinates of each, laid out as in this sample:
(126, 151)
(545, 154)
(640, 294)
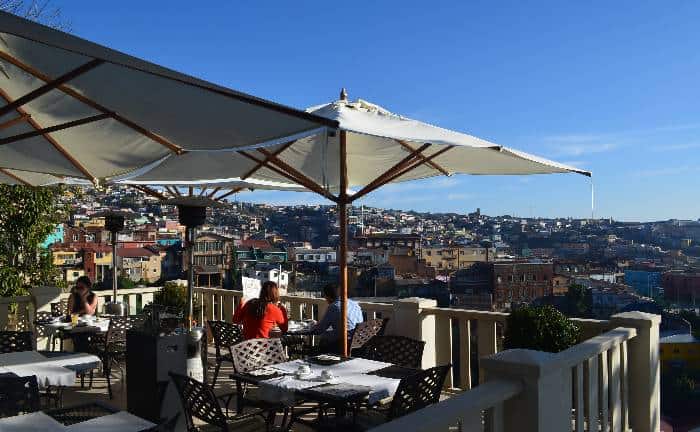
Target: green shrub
(175, 296)
(541, 328)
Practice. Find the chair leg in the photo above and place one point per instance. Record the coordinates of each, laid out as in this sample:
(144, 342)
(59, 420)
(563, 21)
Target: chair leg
(91, 376)
(216, 372)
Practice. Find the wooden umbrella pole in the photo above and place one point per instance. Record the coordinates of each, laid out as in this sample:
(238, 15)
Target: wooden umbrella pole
(343, 249)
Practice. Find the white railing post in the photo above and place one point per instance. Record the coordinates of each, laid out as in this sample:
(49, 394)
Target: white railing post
(643, 370)
(544, 404)
(411, 322)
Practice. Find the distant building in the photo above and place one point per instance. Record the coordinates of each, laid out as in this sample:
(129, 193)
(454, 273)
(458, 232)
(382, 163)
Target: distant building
(269, 273)
(681, 288)
(318, 255)
(680, 352)
(644, 282)
(139, 264)
(449, 258)
(392, 240)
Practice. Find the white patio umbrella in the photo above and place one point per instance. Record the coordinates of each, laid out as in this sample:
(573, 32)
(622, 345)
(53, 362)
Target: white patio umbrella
(370, 148)
(73, 108)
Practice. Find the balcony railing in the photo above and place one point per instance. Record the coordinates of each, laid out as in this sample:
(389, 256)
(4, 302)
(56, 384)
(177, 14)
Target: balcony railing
(607, 382)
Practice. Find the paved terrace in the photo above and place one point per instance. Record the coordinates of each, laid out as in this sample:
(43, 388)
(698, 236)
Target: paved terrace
(608, 382)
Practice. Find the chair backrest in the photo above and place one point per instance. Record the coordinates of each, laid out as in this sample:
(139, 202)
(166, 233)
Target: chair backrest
(59, 308)
(14, 341)
(19, 395)
(418, 391)
(399, 350)
(225, 335)
(366, 330)
(198, 401)
(118, 325)
(253, 354)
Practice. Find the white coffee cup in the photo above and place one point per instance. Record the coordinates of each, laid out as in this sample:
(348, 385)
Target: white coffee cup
(327, 375)
(304, 369)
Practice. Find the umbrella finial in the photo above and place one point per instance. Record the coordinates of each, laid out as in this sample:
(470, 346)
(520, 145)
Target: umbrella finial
(343, 94)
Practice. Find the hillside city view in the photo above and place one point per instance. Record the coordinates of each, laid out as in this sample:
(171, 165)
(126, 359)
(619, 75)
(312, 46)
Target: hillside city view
(369, 216)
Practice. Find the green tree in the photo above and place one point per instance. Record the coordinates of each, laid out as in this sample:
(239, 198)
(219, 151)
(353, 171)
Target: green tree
(27, 216)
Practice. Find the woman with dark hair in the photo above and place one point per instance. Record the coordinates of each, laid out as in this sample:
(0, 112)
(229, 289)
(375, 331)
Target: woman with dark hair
(82, 300)
(260, 315)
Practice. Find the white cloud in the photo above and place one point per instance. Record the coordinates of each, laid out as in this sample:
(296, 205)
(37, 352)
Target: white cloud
(666, 172)
(677, 147)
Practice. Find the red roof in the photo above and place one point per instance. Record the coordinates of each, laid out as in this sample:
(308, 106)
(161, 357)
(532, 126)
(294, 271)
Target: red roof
(134, 252)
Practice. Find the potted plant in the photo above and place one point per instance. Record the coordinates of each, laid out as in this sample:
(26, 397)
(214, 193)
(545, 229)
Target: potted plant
(541, 328)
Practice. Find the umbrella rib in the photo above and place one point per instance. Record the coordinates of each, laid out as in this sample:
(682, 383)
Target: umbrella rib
(231, 192)
(149, 191)
(92, 64)
(216, 189)
(55, 128)
(267, 159)
(401, 172)
(284, 166)
(312, 186)
(51, 141)
(89, 102)
(14, 121)
(379, 181)
(408, 147)
(173, 191)
(9, 174)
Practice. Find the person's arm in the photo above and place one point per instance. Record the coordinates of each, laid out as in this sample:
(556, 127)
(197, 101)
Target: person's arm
(91, 304)
(330, 318)
(240, 313)
(69, 307)
(282, 319)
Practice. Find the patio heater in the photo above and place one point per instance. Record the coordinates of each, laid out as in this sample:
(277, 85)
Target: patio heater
(114, 223)
(192, 215)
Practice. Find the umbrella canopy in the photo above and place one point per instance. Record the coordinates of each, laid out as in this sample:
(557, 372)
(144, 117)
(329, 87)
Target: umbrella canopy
(74, 108)
(380, 148)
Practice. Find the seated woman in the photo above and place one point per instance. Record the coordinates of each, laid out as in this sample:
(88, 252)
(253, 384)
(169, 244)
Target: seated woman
(82, 300)
(329, 325)
(260, 315)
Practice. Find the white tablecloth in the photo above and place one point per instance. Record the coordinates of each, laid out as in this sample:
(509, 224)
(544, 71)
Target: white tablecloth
(350, 367)
(33, 422)
(48, 371)
(46, 375)
(21, 358)
(353, 371)
(117, 422)
(51, 328)
(39, 421)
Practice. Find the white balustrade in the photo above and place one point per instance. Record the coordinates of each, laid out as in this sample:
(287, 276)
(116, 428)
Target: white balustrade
(479, 409)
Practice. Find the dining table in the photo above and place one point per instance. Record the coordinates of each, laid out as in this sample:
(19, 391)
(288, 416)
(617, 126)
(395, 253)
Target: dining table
(93, 416)
(51, 369)
(327, 379)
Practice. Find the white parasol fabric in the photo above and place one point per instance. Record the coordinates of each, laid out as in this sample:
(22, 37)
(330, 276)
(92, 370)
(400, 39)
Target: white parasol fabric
(376, 141)
(74, 108)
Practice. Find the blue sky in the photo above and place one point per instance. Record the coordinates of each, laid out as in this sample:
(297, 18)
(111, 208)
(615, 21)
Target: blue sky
(612, 87)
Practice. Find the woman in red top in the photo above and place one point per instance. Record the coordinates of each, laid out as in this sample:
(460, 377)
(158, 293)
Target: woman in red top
(260, 315)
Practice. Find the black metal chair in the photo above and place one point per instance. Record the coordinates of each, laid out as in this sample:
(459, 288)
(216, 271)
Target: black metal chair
(200, 402)
(254, 354)
(111, 347)
(365, 331)
(398, 350)
(18, 395)
(59, 308)
(225, 336)
(14, 341)
(80, 413)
